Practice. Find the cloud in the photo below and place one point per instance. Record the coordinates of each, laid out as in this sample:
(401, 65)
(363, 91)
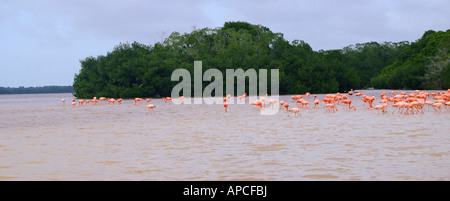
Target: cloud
(54, 35)
(333, 24)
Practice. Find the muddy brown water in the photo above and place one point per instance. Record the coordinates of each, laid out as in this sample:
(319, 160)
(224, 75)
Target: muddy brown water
(43, 139)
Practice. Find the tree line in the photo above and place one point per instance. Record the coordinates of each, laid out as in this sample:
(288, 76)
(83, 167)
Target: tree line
(138, 70)
(36, 90)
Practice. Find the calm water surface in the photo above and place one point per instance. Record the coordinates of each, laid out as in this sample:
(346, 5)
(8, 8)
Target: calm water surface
(43, 139)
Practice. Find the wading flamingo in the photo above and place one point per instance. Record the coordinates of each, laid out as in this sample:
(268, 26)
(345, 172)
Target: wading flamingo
(286, 105)
(399, 105)
(150, 107)
(409, 106)
(181, 99)
(272, 102)
(429, 103)
(316, 102)
(331, 107)
(242, 97)
(381, 107)
(257, 103)
(368, 99)
(294, 98)
(100, 100)
(137, 100)
(302, 102)
(167, 99)
(295, 110)
(111, 100)
(94, 101)
(349, 103)
(439, 106)
(225, 105)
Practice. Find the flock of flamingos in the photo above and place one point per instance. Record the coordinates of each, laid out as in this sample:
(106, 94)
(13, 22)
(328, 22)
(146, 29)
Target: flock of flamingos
(404, 103)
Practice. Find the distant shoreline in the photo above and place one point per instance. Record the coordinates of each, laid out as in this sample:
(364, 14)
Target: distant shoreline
(36, 90)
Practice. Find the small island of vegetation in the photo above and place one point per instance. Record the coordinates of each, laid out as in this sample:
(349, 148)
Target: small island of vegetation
(138, 70)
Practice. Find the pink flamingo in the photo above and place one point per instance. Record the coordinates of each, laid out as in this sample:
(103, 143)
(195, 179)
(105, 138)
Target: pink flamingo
(257, 103)
(166, 99)
(286, 105)
(331, 107)
(398, 105)
(349, 102)
(305, 103)
(381, 107)
(225, 105)
(242, 97)
(100, 100)
(439, 106)
(272, 101)
(94, 101)
(111, 100)
(295, 110)
(181, 99)
(409, 106)
(136, 101)
(316, 102)
(150, 107)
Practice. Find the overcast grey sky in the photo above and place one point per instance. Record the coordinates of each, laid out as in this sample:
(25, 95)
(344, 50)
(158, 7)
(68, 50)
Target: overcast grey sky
(42, 41)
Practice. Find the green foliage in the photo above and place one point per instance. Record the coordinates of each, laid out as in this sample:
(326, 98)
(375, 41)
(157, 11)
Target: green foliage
(422, 65)
(369, 59)
(137, 70)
